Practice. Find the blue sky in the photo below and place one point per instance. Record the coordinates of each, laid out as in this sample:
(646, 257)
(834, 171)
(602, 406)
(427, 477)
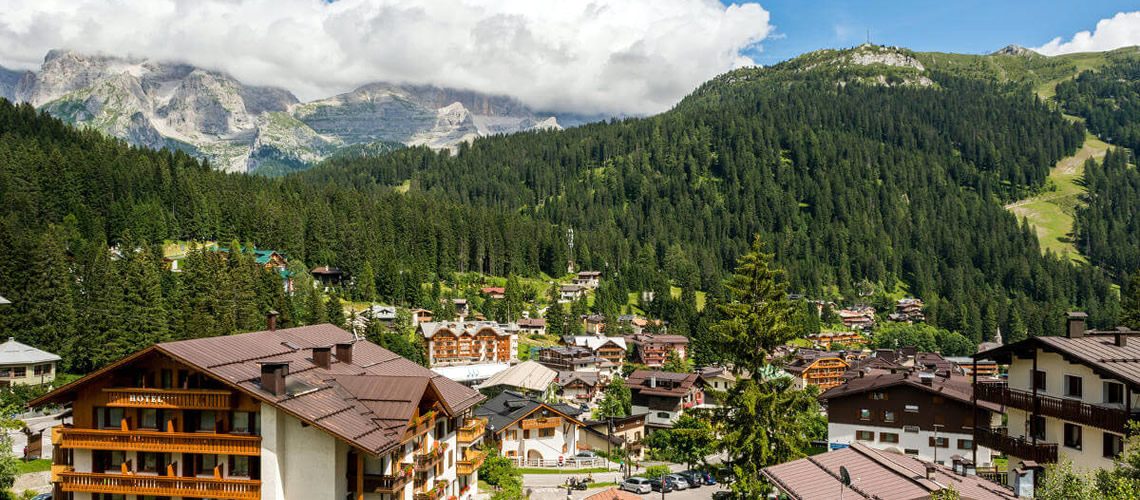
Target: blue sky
(965, 26)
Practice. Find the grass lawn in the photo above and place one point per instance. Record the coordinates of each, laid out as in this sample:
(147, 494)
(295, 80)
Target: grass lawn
(605, 484)
(39, 465)
(559, 470)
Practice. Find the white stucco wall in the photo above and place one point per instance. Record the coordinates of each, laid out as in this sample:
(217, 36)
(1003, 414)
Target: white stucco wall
(299, 461)
(651, 417)
(845, 434)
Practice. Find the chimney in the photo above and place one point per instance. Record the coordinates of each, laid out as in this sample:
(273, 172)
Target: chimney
(956, 460)
(931, 469)
(1075, 322)
(344, 352)
(271, 320)
(926, 378)
(653, 381)
(322, 356)
(273, 376)
(1121, 336)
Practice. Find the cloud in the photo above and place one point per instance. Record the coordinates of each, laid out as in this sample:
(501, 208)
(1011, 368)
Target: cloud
(1121, 30)
(604, 56)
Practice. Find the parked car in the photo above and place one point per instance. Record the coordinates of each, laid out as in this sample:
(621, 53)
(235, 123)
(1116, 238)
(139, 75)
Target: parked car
(722, 495)
(586, 454)
(682, 483)
(636, 485)
(662, 484)
(42, 496)
(695, 477)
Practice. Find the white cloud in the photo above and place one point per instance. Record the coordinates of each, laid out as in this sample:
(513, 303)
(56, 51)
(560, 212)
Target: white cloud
(1121, 30)
(615, 56)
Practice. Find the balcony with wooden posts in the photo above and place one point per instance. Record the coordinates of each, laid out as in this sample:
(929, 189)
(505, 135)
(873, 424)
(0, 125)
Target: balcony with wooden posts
(170, 399)
(384, 484)
(1073, 410)
(426, 460)
(163, 486)
(435, 493)
(471, 431)
(998, 439)
(542, 423)
(420, 425)
(161, 442)
(471, 462)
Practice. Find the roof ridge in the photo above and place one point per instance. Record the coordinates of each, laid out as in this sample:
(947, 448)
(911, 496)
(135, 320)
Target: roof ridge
(916, 477)
(852, 487)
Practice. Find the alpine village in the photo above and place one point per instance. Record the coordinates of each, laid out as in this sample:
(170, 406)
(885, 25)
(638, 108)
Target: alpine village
(857, 273)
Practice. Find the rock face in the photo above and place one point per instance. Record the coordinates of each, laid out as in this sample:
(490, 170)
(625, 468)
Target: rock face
(241, 128)
(1013, 50)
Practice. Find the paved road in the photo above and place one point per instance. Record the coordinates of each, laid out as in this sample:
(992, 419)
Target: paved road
(702, 493)
(555, 480)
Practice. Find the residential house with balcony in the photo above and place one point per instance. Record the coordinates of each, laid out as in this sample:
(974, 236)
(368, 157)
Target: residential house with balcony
(824, 340)
(535, 326)
(652, 350)
(664, 396)
(451, 343)
(1066, 397)
(816, 367)
(909, 309)
(611, 349)
(624, 432)
(593, 324)
(307, 412)
(567, 293)
(494, 292)
(569, 358)
(22, 364)
(578, 388)
(588, 279)
(916, 413)
(530, 431)
(857, 318)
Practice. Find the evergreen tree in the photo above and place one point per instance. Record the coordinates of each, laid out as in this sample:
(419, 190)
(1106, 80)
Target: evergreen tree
(315, 306)
(1130, 303)
(335, 310)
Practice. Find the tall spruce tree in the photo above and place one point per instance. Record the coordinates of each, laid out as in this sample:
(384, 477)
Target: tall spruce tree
(1130, 303)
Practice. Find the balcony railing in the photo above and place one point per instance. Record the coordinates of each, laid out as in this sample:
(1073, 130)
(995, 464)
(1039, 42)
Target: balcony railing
(435, 493)
(164, 486)
(471, 431)
(374, 483)
(167, 442)
(471, 462)
(542, 423)
(1042, 452)
(992, 474)
(420, 426)
(425, 461)
(1104, 417)
(185, 399)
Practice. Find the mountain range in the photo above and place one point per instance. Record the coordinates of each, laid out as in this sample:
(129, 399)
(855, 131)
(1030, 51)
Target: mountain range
(244, 128)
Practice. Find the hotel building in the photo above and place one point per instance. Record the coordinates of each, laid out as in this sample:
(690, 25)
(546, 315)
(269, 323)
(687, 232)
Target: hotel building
(461, 343)
(300, 413)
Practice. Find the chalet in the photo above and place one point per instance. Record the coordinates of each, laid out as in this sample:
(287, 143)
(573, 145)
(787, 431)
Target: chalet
(612, 349)
(629, 430)
(879, 474)
(468, 342)
(328, 276)
(530, 431)
(578, 387)
(1067, 397)
(815, 367)
(913, 412)
(493, 292)
(22, 364)
(461, 307)
(652, 350)
(421, 315)
(307, 412)
(572, 358)
(567, 293)
(664, 396)
(824, 340)
(588, 279)
(532, 325)
(593, 323)
(858, 318)
(910, 309)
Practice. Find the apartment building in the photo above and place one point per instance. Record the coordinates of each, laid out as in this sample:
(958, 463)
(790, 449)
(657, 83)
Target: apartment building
(815, 367)
(916, 413)
(611, 349)
(664, 396)
(652, 350)
(452, 343)
(824, 340)
(307, 412)
(1066, 397)
(531, 431)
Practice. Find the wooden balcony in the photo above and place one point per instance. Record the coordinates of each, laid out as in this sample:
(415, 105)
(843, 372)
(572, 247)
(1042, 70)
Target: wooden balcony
(471, 462)
(388, 485)
(418, 428)
(184, 399)
(1104, 417)
(163, 442)
(164, 486)
(471, 431)
(435, 493)
(542, 423)
(1042, 452)
(426, 461)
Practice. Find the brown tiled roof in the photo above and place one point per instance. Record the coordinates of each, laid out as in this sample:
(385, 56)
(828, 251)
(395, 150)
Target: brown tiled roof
(532, 322)
(1098, 351)
(875, 474)
(638, 382)
(957, 388)
(367, 403)
(613, 494)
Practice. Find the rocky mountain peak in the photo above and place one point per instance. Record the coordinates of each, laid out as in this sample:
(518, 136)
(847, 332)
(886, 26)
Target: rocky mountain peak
(1014, 50)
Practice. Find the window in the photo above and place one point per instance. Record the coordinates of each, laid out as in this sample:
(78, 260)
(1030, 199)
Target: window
(1036, 426)
(1113, 393)
(888, 437)
(939, 442)
(206, 421)
(1073, 436)
(662, 414)
(513, 435)
(939, 419)
(865, 414)
(1038, 380)
(148, 462)
(1073, 387)
(108, 461)
(879, 396)
(20, 372)
(910, 451)
(965, 444)
(239, 465)
(910, 428)
(148, 418)
(38, 370)
(911, 408)
(5, 372)
(112, 418)
(865, 435)
(244, 422)
(1113, 445)
(888, 415)
(936, 400)
(167, 379)
(546, 432)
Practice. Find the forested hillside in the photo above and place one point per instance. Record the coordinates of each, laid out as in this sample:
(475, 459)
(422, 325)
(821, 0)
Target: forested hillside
(846, 176)
(1109, 100)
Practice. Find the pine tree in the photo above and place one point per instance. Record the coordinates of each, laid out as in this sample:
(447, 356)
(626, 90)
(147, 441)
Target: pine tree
(760, 318)
(50, 303)
(315, 307)
(143, 310)
(1130, 303)
(555, 315)
(335, 310)
(366, 283)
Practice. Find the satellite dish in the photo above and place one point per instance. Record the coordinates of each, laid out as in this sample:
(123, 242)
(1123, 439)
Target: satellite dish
(844, 477)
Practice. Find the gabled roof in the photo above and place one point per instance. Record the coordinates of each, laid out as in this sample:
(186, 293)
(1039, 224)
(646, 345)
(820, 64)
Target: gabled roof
(4, 301)
(530, 375)
(1096, 350)
(510, 407)
(881, 475)
(367, 403)
(15, 353)
(430, 329)
(566, 378)
(668, 384)
(593, 342)
(957, 388)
